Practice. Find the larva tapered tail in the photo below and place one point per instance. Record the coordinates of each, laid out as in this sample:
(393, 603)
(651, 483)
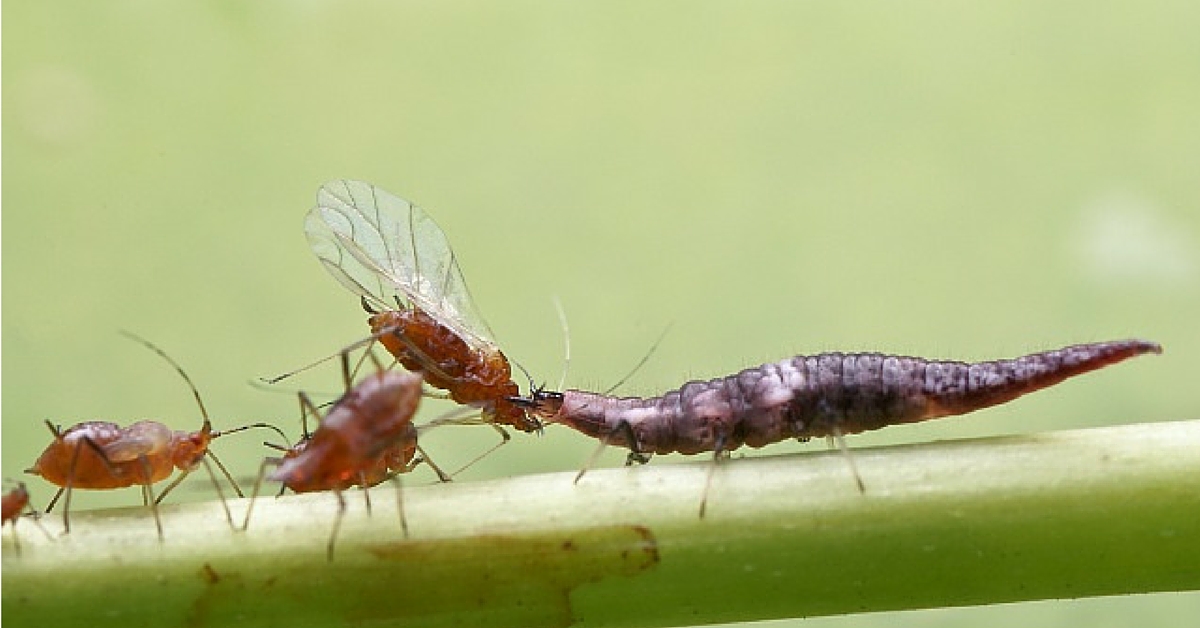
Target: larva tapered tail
(829, 394)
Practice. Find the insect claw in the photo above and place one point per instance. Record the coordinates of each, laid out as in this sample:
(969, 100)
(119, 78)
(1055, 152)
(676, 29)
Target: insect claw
(636, 457)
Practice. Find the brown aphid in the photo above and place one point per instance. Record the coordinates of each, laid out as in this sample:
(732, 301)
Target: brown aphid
(365, 438)
(15, 503)
(393, 255)
(99, 455)
(470, 376)
(831, 395)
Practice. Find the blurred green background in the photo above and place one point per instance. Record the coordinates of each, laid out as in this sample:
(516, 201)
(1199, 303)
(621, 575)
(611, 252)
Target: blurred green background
(770, 178)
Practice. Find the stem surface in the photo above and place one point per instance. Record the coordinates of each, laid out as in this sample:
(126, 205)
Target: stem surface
(1067, 514)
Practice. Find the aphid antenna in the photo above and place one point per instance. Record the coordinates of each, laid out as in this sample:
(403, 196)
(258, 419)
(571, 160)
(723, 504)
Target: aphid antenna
(348, 374)
(352, 346)
(178, 369)
(261, 385)
(461, 416)
(642, 362)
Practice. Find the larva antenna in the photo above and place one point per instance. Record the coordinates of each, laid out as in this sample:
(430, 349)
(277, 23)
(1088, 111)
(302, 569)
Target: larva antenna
(642, 362)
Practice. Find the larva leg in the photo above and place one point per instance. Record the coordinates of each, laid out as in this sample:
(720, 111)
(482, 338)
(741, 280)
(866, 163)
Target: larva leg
(719, 454)
(634, 456)
(840, 440)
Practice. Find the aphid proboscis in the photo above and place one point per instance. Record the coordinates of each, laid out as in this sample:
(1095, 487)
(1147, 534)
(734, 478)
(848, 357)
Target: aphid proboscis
(366, 437)
(395, 257)
(831, 394)
(99, 455)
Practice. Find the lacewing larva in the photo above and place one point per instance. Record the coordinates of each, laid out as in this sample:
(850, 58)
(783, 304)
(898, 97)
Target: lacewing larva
(830, 394)
(99, 455)
(398, 261)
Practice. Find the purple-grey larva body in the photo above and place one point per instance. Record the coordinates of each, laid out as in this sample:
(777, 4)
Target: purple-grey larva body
(830, 394)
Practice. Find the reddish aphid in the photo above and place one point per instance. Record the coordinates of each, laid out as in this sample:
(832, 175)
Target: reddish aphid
(393, 255)
(831, 394)
(15, 501)
(15, 504)
(365, 438)
(99, 455)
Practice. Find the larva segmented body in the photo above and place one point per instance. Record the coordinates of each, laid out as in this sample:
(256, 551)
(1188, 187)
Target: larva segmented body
(829, 394)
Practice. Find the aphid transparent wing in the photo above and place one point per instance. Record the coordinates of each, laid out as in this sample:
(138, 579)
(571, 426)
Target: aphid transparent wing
(381, 246)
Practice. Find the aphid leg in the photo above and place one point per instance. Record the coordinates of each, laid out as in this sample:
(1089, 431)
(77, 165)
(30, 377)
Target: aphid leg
(433, 393)
(16, 539)
(57, 432)
(348, 375)
(71, 483)
(149, 492)
(337, 524)
(631, 441)
(395, 478)
(466, 416)
(37, 521)
(841, 445)
(225, 472)
(54, 500)
(306, 406)
(179, 478)
(282, 487)
(262, 472)
(719, 454)
(345, 361)
(32, 513)
(428, 363)
(362, 484)
(220, 494)
(504, 438)
(424, 457)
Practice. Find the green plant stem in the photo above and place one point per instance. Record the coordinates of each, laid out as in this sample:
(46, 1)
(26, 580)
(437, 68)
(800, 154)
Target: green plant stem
(1068, 514)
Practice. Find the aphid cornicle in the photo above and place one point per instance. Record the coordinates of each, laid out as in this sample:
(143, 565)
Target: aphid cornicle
(831, 394)
(99, 455)
(395, 257)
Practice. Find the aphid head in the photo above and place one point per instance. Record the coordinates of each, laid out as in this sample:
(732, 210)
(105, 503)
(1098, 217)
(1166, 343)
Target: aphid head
(189, 448)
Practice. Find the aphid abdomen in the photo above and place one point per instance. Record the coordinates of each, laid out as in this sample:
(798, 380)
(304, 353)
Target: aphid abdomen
(70, 460)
